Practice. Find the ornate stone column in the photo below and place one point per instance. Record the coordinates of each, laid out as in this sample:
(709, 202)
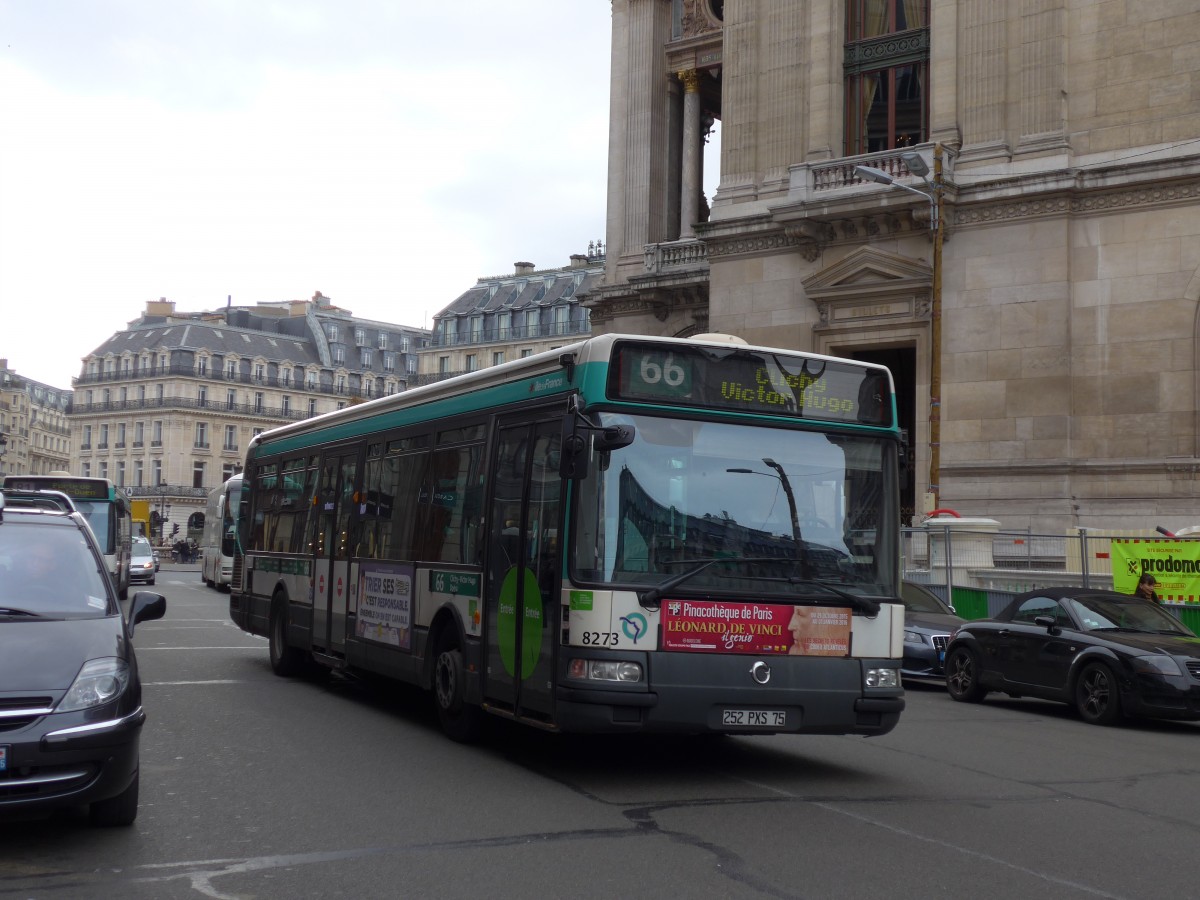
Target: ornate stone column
(689, 201)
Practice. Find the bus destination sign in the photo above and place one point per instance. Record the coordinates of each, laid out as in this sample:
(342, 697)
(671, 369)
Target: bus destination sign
(75, 488)
(744, 380)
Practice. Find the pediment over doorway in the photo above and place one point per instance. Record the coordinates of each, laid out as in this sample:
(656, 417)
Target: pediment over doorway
(871, 284)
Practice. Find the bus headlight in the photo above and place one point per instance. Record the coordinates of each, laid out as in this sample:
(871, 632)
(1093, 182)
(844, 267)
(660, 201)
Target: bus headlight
(882, 678)
(605, 670)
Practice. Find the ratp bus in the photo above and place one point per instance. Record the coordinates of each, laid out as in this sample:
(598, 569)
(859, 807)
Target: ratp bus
(218, 538)
(623, 534)
(106, 509)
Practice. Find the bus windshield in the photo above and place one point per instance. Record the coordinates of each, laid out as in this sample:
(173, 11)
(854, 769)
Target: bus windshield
(99, 517)
(772, 511)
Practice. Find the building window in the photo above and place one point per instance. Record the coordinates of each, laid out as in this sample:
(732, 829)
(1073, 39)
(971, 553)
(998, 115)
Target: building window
(404, 343)
(360, 337)
(156, 471)
(389, 362)
(198, 474)
(86, 469)
(103, 468)
(258, 401)
(562, 319)
(286, 378)
(141, 393)
(368, 387)
(312, 407)
(497, 357)
(333, 332)
(228, 470)
(120, 473)
(505, 324)
(103, 445)
(201, 442)
(339, 354)
(341, 384)
(156, 434)
(139, 433)
(526, 352)
(231, 369)
(287, 404)
(202, 367)
(366, 356)
(87, 438)
(230, 398)
(260, 371)
(120, 435)
(202, 396)
(138, 472)
(472, 362)
(231, 437)
(383, 340)
(886, 67)
(411, 365)
(158, 393)
(476, 329)
(443, 365)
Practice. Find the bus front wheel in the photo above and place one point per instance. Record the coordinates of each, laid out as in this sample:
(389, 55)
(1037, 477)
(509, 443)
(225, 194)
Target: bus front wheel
(285, 661)
(460, 720)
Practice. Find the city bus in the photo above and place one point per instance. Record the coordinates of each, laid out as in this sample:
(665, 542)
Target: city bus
(625, 534)
(106, 509)
(217, 539)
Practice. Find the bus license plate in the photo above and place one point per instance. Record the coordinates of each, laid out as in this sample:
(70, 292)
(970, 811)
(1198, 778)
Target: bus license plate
(754, 718)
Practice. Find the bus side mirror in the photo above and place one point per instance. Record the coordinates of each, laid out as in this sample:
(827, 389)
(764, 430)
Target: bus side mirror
(615, 437)
(572, 457)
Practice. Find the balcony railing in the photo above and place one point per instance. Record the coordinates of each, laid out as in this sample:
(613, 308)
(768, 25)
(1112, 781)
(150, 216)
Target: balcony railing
(499, 335)
(271, 381)
(247, 409)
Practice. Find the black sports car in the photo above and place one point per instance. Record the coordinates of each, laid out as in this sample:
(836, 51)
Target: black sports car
(1106, 654)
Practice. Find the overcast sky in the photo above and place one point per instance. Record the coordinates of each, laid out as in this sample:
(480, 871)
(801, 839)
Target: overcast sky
(384, 152)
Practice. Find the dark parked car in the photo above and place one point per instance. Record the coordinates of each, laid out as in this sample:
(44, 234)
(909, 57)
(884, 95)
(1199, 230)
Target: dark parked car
(928, 624)
(1106, 654)
(70, 698)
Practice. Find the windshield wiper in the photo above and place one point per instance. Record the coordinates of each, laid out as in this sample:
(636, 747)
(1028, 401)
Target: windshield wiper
(650, 599)
(12, 611)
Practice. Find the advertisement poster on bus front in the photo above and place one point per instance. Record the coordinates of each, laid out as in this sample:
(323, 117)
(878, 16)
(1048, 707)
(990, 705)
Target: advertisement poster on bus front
(750, 627)
(385, 604)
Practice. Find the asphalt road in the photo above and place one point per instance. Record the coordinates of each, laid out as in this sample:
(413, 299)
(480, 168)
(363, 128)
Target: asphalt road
(259, 787)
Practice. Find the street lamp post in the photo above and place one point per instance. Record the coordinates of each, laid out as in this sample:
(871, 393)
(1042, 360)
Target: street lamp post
(164, 510)
(787, 491)
(933, 193)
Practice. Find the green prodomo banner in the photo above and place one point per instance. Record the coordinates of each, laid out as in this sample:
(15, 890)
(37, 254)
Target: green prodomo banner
(1174, 564)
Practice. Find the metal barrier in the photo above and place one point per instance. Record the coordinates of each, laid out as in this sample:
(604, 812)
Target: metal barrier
(979, 567)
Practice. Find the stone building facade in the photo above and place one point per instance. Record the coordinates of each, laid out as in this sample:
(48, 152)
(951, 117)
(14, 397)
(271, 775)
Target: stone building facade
(1031, 273)
(167, 406)
(507, 317)
(33, 425)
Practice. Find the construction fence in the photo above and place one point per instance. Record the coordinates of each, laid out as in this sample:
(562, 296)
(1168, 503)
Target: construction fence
(979, 567)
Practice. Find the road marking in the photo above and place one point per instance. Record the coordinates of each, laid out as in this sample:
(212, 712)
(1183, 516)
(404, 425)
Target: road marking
(172, 683)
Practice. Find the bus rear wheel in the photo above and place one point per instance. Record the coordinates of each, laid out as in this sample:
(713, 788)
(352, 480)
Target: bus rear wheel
(460, 720)
(285, 661)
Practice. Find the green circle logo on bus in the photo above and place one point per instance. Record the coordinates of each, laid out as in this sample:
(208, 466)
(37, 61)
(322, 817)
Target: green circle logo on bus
(634, 625)
(531, 623)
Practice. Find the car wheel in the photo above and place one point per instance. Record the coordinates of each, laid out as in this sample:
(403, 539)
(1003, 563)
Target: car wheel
(285, 661)
(460, 720)
(962, 676)
(119, 810)
(1096, 695)
(151, 581)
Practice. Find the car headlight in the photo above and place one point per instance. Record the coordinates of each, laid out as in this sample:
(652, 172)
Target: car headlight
(1156, 665)
(913, 637)
(881, 678)
(98, 682)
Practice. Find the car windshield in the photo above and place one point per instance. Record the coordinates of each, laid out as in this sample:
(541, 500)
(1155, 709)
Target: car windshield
(798, 514)
(142, 551)
(48, 570)
(919, 599)
(1099, 612)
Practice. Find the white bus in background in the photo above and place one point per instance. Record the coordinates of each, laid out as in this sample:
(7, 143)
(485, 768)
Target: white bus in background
(216, 544)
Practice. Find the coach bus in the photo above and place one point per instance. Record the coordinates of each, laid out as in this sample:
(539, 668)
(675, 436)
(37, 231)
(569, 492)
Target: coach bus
(623, 534)
(106, 509)
(217, 539)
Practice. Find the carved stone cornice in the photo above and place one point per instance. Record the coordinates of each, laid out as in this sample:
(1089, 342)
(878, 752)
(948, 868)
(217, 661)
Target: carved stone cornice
(610, 302)
(697, 19)
(1074, 203)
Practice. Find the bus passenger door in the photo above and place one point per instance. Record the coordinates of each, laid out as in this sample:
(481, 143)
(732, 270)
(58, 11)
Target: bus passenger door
(331, 563)
(523, 569)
